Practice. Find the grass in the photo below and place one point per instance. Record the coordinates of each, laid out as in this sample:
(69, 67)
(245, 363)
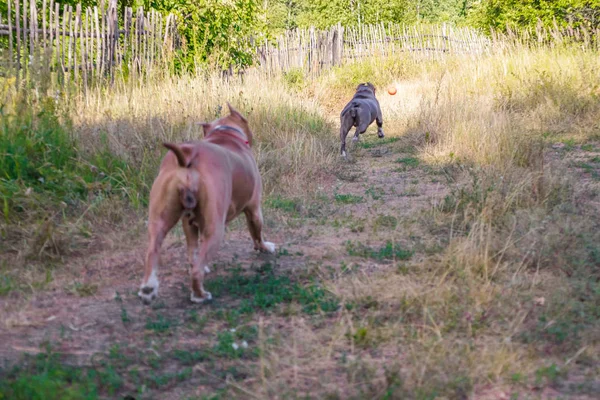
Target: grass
(494, 286)
(389, 251)
(266, 291)
(347, 198)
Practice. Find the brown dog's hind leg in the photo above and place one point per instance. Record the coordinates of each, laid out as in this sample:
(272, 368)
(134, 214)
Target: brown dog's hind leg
(212, 237)
(255, 224)
(191, 236)
(159, 224)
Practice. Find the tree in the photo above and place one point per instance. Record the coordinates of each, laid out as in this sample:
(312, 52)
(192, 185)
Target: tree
(516, 14)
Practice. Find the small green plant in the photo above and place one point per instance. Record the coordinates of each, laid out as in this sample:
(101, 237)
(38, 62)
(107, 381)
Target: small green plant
(385, 222)
(160, 324)
(124, 316)
(281, 203)
(294, 78)
(587, 147)
(348, 199)
(83, 289)
(551, 374)
(375, 193)
(408, 162)
(388, 252)
(6, 284)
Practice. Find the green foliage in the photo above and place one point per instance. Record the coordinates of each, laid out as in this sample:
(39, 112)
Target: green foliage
(42, 166)
(214, 31)
(500, 14)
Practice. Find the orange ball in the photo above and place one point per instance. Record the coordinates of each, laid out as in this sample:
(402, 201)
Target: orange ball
(392, 90)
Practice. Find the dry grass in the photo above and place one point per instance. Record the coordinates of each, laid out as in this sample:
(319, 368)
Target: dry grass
(294, 140)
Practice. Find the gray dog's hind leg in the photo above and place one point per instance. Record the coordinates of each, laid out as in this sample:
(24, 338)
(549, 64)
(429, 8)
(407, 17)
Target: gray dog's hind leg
(360, 129)
(379, 120)
(344, 129)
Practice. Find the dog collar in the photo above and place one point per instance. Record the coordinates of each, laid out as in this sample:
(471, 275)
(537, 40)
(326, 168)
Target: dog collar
(230, 128)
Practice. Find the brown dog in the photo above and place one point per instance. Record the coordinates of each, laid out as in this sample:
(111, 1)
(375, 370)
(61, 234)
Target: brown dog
(207, 184)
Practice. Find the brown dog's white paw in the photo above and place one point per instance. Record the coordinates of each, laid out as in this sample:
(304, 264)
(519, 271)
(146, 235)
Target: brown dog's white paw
(270, 247)
(199, 300)
(148, 293)
(206, 269)
(149, 290)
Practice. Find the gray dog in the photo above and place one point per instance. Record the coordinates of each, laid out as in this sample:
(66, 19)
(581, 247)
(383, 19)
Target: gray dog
(360, 112)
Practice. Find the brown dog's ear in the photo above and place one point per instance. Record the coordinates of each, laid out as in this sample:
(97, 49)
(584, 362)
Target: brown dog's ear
(181, 159)
(205, 127)
(236, 113)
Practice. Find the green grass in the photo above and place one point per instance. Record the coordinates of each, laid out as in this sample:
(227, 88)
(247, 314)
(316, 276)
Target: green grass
(409, 162)
(593, 170)
(375, 193)
(83, 289)
(385, 222)
(160, 324)
(348, 198)
(45, 377)
(284, 204)
(376, 142)
(264, 290)
(42, 166)
(389, 251)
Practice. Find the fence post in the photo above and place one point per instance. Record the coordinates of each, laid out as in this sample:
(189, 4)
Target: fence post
(10, 37)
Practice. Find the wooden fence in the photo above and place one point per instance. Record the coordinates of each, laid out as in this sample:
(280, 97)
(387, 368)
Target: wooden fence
(83, 45)
(313, 50)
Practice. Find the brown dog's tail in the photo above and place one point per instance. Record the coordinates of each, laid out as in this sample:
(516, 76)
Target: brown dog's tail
(181, 158)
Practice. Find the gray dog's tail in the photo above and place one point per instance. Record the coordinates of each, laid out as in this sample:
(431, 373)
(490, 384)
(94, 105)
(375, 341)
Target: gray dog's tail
(352, 109)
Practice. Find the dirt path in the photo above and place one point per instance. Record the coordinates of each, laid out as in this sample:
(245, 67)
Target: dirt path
(174, 348)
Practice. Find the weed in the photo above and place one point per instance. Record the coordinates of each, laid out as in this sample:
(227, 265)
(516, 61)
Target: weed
(552, 374)
(189, 357)
(587, 147)
(83, 289)
(375, 193)
(348, 199)
(389, 251)
(280, 203)
(408, 162)
(385, 222)
(6, 284)
(124, 316)
(294, 78)
(160, 324)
